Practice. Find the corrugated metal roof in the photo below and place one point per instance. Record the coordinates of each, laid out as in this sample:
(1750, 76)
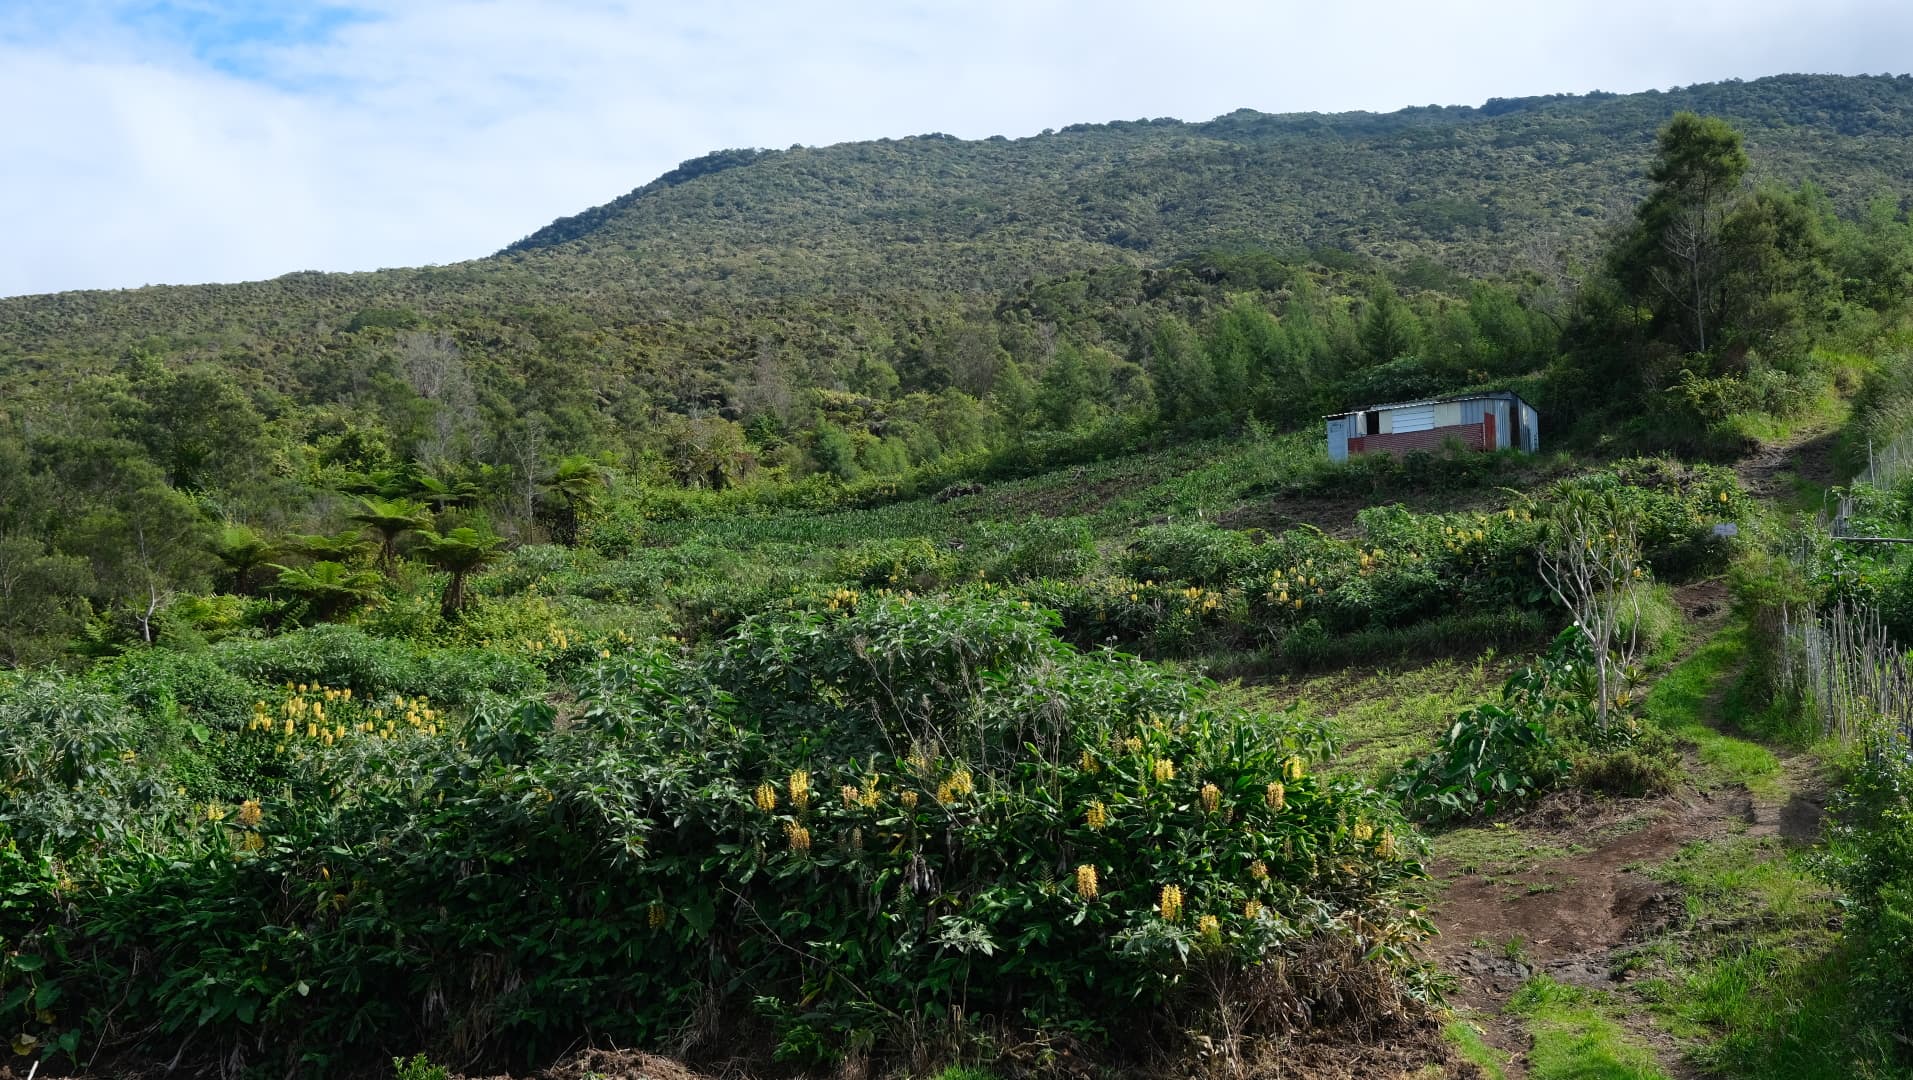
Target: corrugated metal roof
(1494, 395)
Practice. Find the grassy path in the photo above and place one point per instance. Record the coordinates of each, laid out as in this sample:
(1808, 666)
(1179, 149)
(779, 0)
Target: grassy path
(1649, 939)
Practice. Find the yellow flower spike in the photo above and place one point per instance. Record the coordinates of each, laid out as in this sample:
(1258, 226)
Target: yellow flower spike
(1169, 903)
(1211, 798)
(215, 812)
(1086, 881)
(870, 793)
(945, 794)
(654, 917)
(251, 814)
(1252, 910)
(1275, 795)
(1097, 815)
(1364, 831)
(851, 795)
(1163, 769)
(1210, 928)
(799, 787)
(798, 836)
(1294, 769)
(1133, 745)
(1386, 848)
(961, 783)
(765, 797)
(1088, 763)
(908, 799)
(312, 730)
(1259, 870)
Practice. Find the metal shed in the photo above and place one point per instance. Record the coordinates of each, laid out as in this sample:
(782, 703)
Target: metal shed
(1494, 420)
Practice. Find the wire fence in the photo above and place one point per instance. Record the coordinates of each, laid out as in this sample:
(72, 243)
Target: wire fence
(1846, 674)
(1887, 464)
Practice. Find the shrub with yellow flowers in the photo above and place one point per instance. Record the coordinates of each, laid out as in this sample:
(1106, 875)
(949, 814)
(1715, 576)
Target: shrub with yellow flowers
(940, 796)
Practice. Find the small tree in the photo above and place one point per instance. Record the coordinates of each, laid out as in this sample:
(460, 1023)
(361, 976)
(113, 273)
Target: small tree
(241, 551)
(572, 493)
(461, 552)
(1590, 558)
(328, 588)
(390, 519)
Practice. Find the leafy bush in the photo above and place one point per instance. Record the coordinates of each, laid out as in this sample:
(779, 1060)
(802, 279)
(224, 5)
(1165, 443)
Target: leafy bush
(1869, 856)
(850, 822)
(1498, 755)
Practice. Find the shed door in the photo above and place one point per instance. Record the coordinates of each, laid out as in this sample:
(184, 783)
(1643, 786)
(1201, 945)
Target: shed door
(1420, 418)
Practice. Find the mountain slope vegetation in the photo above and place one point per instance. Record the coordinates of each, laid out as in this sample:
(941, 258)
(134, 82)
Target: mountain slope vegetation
(772, 615)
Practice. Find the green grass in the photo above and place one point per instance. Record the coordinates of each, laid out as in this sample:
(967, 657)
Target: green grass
(1383, 718)
(1467, 1041)
(1498, 850)
(1576, 1037)
(1754, 976)
(1682, 700)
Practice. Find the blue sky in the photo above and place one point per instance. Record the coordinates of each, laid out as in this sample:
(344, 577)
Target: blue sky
(218, 140)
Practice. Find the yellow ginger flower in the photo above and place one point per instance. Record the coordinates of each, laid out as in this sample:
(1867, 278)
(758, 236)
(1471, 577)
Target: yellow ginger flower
(1294, 769)
(945, 793)
(1364, 831)
(1097, 816)
(918, 763)
(253, 842)
(1211, 798)
(870, 793)
(1089, 764)
(1275, 795)
(1252, 910)
(1163, 769)
(655, 915)
(908, 799)
(766, 797)
(799, 787)
(215, 812)
(1169, 903)
(850, 794)
(961, 784)
(250, 814)
(312, 730)
(1386, 848)
(1210, 928)
(1133, 745)
(1259, 870)
(798, 836)
(1086, 881)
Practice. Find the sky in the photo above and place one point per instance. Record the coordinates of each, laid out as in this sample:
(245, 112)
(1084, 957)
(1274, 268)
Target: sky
(186, 141)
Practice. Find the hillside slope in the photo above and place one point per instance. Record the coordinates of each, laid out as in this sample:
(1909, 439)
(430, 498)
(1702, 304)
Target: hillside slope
(1480, 190)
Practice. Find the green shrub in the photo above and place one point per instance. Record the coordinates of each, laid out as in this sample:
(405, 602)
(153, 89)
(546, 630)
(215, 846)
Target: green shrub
(1193, 554)
(846, 822)
(1499, 755)
(1869, 856)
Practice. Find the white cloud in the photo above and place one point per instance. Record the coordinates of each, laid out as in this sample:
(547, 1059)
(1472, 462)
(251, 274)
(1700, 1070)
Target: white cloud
(436, 130)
